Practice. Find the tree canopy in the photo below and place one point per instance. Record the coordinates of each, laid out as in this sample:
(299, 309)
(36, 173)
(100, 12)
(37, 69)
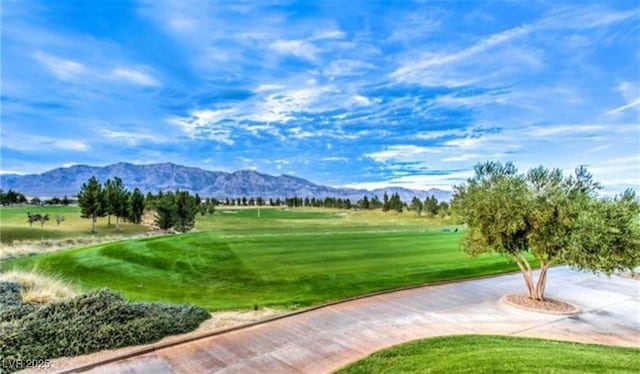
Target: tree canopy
(555, 218)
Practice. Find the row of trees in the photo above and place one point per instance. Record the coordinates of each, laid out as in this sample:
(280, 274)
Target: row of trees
(554, 218)
(430, 206)
(53, 201)
(12, 197)
(111, 199)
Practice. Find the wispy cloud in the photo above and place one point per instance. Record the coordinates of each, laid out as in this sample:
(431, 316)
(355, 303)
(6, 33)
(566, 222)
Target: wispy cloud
(64, 69)
(135, 76)
(427, 69)
(207, 124)
(34, 143)
(298, 48)
(132, 138)
(635, 103)
(402, 153)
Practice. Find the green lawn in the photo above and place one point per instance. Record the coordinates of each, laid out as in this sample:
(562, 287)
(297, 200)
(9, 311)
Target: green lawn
(283, 267)
(286, 259)
(495, 354)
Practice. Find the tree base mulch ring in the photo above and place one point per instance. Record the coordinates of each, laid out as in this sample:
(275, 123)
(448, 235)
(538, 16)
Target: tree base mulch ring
(634, 275)
(549, 306)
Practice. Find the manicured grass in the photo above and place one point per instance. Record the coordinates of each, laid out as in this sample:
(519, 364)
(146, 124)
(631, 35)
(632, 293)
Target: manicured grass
(280, 267)
(496, 354)
(286, 258)
(14, 226)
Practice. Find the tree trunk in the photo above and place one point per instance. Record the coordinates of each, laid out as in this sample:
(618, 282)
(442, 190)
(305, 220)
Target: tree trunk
(542, 281)
(108, 219)
(93, 223)
(534, 291)
(117, 223)
(525, 269)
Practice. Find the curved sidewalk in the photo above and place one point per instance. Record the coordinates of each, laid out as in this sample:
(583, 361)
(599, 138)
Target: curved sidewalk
(328, 338)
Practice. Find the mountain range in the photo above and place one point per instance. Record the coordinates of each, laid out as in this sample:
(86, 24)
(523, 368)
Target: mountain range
(167, 176)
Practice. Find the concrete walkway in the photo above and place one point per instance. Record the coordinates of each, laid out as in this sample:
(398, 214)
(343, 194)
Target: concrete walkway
(326, 339)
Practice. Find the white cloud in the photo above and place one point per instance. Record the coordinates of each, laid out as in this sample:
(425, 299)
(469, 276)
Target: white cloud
(402, 153)
(334, 159)
(328, 34)
(61, 68)
(585, 17)
(298, 48)
(361, 100)
(632, 104)
(426, 68)
(617, 174)
(135, 76)
(344, 67)
(131, 138)
(464, 157)
(431, 135)
(418, 181)
(552, 131)
(41, 144)
(206, 124)
(268, 87)
(281, 106)
(452, 100)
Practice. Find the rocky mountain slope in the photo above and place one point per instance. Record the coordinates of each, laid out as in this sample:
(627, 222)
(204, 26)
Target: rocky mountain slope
(168, 176)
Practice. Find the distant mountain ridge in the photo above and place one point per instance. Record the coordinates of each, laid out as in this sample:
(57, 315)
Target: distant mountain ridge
(218, 184)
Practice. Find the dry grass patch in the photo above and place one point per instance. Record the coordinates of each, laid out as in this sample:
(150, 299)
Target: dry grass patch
(38, 288)
(25, 248)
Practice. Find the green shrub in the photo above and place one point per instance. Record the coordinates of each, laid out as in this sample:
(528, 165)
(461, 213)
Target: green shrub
(92, 322)
(11, 306)
(10, 294)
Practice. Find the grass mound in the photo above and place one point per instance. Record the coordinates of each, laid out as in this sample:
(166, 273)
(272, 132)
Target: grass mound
(84, 324)
(498, 354)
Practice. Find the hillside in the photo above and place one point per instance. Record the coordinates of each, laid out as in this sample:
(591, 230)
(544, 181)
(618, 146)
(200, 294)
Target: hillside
(168, 176)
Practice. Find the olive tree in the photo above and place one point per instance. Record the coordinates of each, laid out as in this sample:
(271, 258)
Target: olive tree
(547, 216)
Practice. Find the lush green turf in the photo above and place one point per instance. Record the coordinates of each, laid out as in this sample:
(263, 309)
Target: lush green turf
(14, 225)
(281, 267)
(285, 258)
(495, 354)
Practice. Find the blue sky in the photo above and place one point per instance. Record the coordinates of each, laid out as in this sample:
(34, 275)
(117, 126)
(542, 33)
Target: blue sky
(343, 93)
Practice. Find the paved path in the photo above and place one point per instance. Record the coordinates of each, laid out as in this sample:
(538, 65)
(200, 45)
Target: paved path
(326, 339)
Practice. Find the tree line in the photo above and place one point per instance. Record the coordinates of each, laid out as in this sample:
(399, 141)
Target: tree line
(12, 197)
(431, 206)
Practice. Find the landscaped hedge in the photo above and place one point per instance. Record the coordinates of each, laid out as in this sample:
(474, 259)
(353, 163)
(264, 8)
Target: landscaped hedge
(88, 323)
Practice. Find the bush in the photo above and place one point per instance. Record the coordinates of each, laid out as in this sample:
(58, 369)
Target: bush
(11, 306)
(91, 322)
(10, 294)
